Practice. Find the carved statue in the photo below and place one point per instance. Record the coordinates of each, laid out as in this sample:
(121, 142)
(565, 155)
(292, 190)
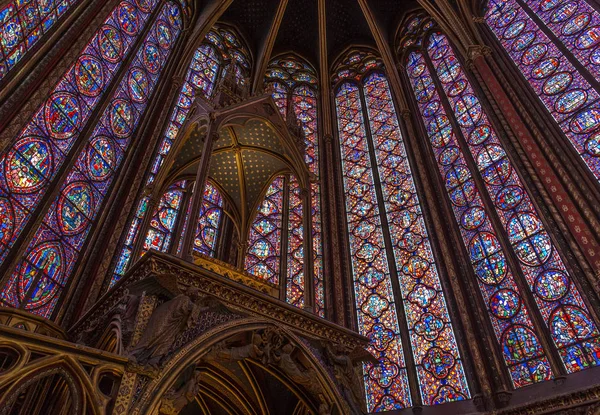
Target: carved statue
(182, 393)
(166, 322)
(291, 369)
(343, 365)
(252, 350)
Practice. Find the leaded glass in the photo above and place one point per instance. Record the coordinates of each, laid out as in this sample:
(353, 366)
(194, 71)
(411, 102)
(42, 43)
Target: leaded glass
(295, 256)
(209, 221)
(23, 23)
(439, 365)
(386, 383)
(578, 344)
(511, 321)
(31, 161)
(48, 261)
(565, 93)
(264, 238)
(164, 218)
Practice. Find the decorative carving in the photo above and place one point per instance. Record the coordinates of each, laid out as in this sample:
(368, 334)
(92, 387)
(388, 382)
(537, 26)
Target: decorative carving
(183, 392)
(166, 322)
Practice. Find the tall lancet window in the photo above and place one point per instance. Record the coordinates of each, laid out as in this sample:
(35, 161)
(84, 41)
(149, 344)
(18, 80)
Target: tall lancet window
(24, 23)
(555, 44)
(293, 85)
(502, 231)
(219, 47)
(389, 244)
(40, 274)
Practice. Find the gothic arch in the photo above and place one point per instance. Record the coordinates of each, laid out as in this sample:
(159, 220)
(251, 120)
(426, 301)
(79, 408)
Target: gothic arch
(150, 400)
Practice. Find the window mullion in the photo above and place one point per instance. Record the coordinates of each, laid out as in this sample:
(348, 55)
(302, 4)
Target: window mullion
(538, 321)
(385, 228)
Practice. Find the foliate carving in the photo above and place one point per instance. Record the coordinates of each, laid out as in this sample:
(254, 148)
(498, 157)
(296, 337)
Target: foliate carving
(475, 51)
(478, 19)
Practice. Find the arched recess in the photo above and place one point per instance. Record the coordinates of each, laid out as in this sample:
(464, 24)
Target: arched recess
(69, 389)
(202, 355)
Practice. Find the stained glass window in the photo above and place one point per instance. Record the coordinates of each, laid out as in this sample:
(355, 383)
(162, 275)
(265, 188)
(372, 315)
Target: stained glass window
(23, 23)
(539, 260)
(220, 45)
(565, 92)
(164, 219)
(378, 152)
(44, 269)
(209, 221)
(29, 165)
(293, 82)
(264, 238)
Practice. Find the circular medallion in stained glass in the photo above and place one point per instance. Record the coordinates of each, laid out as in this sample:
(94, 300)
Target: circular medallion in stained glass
(520, 343)
(28, 166)
(468, 110)
(473, 218)
(514, 30)
(144, 5)
(557, 83)
(151, 57)
(75, 207)
(486, 254)
(589, 38)
(534, 54)
(460, 185)
(138, 85)
(375, 305)
(431, 108)
(449, 155)
(595, 56)
(565, 11)
(479, 134)
(442, 137)
(545, 68)
(505, 304)
(506, 18)
(592, 146)
(102, 159)
(163, 34)
(7, 221)
(576, 24)
(368, 252)
(439, 52)
(509, 198)
(46, 258)
(62, 115)
(450, 70)
(121, 118)
(110, 44)
(551, 285)
(570, 101)
(416, 267)
(494, 165)
(363, 229)
(371, 277)
(11, 34)
(586, 121)
(417, 70)
(457, 87)
(438, 362)
(89, 75)
(570, 324)
(128, 18)
(523, 41)
(530, 241)
(547, 5)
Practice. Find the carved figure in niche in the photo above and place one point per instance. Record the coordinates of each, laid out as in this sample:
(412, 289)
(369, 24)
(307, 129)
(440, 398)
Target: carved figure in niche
(291, 369)
(166, 322)
(232, 354)
(343, 364)
(183, 392)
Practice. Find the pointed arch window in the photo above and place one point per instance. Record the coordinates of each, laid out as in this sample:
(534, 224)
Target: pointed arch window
(389, 245)
(164, 218)
(555, 44)
(219, 47)
(264, 239)
(43, 270)
(293, 85)
(497, 219)
(23, 24)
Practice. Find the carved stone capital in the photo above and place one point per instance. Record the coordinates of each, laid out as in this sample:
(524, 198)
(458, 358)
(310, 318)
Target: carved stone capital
(406, 114)
(475, 51)
(478, 19)
(328, 138)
